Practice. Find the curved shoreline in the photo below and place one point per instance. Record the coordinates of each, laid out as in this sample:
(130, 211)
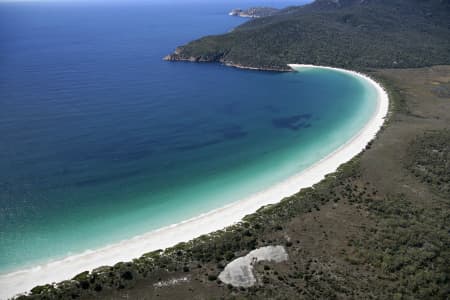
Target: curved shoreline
(21, 281)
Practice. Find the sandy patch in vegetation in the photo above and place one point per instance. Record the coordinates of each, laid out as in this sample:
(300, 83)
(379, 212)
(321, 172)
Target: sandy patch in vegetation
(239, 272)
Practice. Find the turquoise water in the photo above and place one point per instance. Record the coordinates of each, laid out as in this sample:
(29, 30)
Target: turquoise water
(101, 140)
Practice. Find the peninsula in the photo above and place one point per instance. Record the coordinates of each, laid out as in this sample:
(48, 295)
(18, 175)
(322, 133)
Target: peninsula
(350, 34)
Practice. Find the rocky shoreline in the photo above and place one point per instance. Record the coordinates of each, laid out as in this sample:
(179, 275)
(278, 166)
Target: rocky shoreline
(176, 56)
(254, 12)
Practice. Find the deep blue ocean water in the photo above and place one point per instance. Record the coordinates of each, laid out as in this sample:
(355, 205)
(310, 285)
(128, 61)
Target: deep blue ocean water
(101, 140)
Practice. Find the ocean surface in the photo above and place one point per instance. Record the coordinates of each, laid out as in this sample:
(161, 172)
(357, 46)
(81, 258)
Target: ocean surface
(102, 140)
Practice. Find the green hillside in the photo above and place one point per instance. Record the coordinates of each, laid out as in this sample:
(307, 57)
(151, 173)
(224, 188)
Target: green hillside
(343, 33)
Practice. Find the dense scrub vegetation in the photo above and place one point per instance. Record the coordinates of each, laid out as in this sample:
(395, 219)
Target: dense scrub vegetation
(347, 33)
(429, 160)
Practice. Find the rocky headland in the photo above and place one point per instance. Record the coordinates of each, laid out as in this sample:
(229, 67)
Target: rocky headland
(254, 12)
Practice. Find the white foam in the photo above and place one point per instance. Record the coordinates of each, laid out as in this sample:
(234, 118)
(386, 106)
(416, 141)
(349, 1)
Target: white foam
(21, 281)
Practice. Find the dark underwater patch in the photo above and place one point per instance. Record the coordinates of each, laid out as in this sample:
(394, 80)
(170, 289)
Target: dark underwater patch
(106, 179)
(228, 133)
(232, 132)
(136, 155)
(198, 145)
(272, 108)
(113, 155)
(294, 122)
(231, 108)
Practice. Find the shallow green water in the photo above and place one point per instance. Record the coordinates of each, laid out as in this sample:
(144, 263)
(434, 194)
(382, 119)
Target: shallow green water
(91, 156)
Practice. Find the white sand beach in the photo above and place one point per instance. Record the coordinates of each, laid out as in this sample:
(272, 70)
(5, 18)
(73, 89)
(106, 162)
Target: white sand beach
(21, 281)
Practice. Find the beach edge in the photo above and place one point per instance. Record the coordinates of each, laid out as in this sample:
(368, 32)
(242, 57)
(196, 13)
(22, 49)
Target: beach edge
(20, 281)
